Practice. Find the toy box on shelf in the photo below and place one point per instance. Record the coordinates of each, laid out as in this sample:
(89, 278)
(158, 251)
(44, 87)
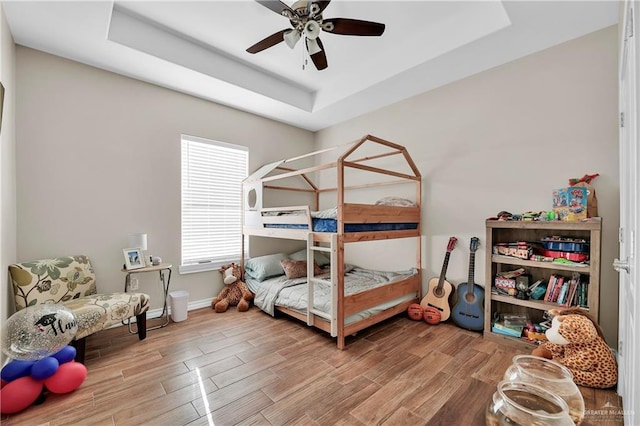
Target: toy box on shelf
(520, 249)
(520, 326)
(570, 204)
(506, 280)
(510, 324)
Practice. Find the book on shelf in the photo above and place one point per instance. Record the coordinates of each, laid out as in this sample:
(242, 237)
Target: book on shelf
(563, 291)
(512, 330)
(554, 288)
(582, 295)
(534, 286)
(547, 294)
(570, 299)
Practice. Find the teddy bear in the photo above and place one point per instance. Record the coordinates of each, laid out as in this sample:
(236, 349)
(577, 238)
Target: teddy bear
(575, 340)
(235, 291)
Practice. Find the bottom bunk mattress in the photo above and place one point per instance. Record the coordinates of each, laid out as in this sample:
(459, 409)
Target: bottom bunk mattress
(293, 293)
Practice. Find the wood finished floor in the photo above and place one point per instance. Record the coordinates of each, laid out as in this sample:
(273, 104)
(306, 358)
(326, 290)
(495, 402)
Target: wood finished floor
(251, 369)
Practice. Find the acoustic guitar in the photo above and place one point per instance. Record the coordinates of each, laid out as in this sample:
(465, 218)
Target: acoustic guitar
(440, 289)
(468, 311)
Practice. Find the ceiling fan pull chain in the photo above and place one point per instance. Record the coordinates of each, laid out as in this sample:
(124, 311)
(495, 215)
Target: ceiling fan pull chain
(305, 59)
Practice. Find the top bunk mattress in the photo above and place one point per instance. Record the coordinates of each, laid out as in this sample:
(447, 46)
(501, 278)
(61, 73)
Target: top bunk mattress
(331, 225)
(326, 221)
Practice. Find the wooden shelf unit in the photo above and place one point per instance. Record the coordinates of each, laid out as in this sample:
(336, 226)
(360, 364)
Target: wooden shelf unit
(511, 231)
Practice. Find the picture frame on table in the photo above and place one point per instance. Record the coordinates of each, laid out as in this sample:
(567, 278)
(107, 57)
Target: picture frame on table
(133, 258)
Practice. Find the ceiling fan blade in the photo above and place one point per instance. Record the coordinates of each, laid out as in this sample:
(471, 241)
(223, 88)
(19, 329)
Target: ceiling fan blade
(319, 7)
(276, 6)
(316, 51)
(267, 42)
(355, 27)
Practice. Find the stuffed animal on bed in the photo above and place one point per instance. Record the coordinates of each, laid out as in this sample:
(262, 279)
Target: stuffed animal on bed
(235, 291)
(576, 341)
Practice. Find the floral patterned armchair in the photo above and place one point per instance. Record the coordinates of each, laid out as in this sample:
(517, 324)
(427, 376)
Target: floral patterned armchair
(72, 282)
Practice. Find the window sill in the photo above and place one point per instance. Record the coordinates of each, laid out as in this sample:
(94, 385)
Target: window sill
(200, 267)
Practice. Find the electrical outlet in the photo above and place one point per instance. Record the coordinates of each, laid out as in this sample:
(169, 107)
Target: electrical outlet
(133, 284)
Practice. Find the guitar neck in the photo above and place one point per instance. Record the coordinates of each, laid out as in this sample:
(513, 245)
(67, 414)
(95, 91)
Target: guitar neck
(443, 272)
(472, 262)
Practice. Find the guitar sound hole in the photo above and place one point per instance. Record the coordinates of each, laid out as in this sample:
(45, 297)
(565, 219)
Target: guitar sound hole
(470, 298)
(438, 292)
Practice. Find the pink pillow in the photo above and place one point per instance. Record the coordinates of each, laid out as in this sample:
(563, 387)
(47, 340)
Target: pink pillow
(298, 268)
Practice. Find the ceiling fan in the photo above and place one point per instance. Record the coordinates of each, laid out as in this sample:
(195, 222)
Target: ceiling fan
(306, 19)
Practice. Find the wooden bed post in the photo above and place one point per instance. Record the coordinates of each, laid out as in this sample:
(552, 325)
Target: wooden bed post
(419, 238)
(340, 252)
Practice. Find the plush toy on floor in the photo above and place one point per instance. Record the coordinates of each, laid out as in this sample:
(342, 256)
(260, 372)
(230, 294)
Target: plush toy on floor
(576, 341)
(235, 291)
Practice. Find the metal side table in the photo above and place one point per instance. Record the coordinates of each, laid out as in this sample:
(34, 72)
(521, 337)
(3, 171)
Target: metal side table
(164, 272)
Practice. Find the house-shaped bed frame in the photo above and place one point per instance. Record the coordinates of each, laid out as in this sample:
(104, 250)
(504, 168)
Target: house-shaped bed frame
(380, 221)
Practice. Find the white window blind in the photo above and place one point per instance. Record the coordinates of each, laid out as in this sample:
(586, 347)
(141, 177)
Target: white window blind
(212, 175)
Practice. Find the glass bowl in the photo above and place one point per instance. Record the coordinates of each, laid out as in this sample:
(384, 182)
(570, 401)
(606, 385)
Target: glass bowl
(526, 404)
(549, 375)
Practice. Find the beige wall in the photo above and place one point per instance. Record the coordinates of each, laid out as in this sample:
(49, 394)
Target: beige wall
(99, 157)
(7, 168)
(503, 140)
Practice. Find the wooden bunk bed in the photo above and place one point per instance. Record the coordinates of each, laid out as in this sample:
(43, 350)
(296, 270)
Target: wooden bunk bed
(353, 223)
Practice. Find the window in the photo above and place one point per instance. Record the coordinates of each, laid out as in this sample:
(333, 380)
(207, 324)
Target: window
(212, 175)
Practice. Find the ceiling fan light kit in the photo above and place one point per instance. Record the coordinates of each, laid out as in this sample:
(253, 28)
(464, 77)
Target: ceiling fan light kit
(306, 19)
(291, 37)
(313, 47)
(311, 30)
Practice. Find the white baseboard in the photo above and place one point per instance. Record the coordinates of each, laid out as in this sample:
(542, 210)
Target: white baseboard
(204, 303)
(152, 313)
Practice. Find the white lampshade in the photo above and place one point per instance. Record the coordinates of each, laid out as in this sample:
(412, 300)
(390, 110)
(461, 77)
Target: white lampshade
(291, 37)
(313, 46)
(138, 241)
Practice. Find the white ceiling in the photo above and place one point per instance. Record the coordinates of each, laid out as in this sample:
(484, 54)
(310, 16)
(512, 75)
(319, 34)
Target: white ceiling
(199, 47)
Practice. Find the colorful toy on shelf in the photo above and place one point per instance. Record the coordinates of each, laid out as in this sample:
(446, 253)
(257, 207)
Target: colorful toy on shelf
(565, 244)
(535, 332)
(592, 200)
(574, 257)
(570, 203)
(526, 216)
(519, 249)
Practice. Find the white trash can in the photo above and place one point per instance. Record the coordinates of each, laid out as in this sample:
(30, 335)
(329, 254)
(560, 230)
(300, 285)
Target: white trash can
(179, 302)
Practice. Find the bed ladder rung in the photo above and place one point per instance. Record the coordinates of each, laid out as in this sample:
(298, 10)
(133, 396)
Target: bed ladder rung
(321, 248)
(311, 312)
(321, 314)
